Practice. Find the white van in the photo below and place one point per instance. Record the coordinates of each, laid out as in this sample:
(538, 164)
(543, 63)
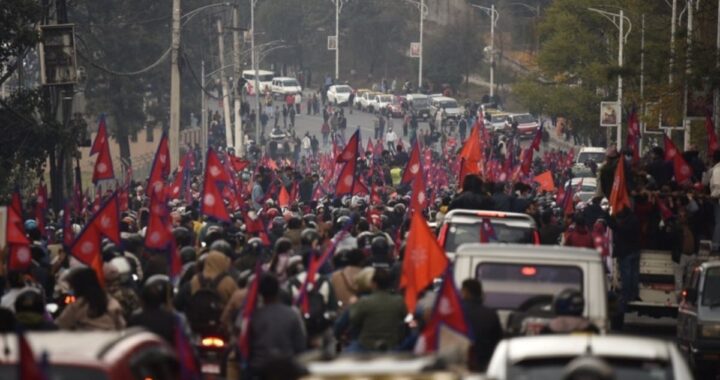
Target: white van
(282, 86)
(265, 78)
(520, 281)
(590, 153)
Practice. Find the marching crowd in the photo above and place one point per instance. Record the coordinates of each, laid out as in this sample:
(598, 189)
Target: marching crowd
(285, 215)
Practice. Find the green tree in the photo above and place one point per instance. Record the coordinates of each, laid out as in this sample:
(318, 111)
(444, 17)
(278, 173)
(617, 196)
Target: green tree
(454, 53)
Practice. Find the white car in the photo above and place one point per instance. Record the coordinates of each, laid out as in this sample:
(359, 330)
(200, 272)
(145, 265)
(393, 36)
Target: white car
(495, 120)
(339, 94)
(358, 97)
(550, 356)
(366, 100)
(526, 124)
(453, 111)
(265, 78)
(591, 153)
(380, 102)
(583, 187)
(282, 86)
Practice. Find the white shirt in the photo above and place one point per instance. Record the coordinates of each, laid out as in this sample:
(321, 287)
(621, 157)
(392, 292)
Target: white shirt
(715, 181)
(391, 136)
(306, 142)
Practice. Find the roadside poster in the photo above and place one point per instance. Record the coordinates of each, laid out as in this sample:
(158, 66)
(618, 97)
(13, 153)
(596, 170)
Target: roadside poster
(332, 42)
(415, 50)
(609, 114)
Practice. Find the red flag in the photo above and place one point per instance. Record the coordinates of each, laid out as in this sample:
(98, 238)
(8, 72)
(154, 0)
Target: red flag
(447, 311)
(28, 367)
(346, 180)
(351, 149)
(424, 260)
(283, 197)
(15, 229)
(487, 231)
(189, 368)
(67, 228)
(633, 136)
(237, 163)
(370, 148)
(103, 165)
(713, 144)
(107, 219)
(86, 248)
(681, 169)
(160, 169)
(665, 212)
(246, 314)
(158, 234)
(413, 166)
(419, 200)
(467, 167)
(472, 148)
(619, 198)
(20, 256)
(526, 164)
(41, 205)
(545, 180)
(212, 201)
(535, 144)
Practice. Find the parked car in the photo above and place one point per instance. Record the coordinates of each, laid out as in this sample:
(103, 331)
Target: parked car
(358, 97)
(551, 356)
(282, 86)
(366, 100)
(698, 328)
(526, 124)
(463, 226)
(339, 94)
(117, 355)
(380, 102)
(265, 78)
(520, 281)
(453, 111)
(420, 103)
(495, 120)
(395, 107)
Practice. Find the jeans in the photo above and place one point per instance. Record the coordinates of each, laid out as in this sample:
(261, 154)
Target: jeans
(716, 230)
(630, 276)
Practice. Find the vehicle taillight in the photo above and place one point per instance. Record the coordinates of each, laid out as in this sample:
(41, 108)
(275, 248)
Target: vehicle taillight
(442, 235)
(212, 341)
(69, 298)
(528, 271)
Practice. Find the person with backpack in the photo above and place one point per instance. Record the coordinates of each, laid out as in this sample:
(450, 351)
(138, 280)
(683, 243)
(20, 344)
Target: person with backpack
(210, 291)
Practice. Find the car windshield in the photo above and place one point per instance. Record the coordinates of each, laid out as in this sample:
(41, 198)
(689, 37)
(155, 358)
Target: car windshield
(265, 78)
(623, 369)
(596, 157)
(386, 98)
(508, 286)
(525, 118)
(448, 104)
(291, 83)
(498, 118)
(57, 372)
(470, 233)
(420, 102)
(711, 290)
(342, 89)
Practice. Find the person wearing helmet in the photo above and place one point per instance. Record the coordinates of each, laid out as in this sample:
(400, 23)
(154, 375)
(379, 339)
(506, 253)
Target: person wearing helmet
(568, 306)
(30, 311)
(156, 314)
(294, 230)
(277, 228)
(117, 283)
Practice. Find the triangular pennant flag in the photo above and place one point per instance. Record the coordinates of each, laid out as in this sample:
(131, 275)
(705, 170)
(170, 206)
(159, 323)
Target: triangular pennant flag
(413, 165)
(419, 199)
(681, 169)
(545, 180)
(28, 368)
(160, 169)
(283, 198)
(351, 150)
(213, 204)
(251, 300)
(619, 198)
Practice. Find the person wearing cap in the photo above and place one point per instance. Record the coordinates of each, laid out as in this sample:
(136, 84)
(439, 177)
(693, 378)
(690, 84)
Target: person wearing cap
(30, 311)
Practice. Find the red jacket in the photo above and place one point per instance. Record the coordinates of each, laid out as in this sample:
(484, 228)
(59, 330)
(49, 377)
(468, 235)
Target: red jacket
(579, 237)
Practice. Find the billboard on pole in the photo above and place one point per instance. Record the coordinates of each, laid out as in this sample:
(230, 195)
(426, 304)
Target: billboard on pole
(332, 42)
(415, 49)
(609, 114)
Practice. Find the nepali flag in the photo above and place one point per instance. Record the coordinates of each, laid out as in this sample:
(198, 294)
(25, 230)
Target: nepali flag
(419, 199)
(535, 144)
(565, 199)
(67, 228)
(681, 169)
(238, 164)
(487, 231)
(212, 201)
(248, 310)
(447, 321)
(28, 367)
(103, 165)
(255, 226)
(161, 166)
(352, 149)
(41, 206)
(20, 256)
(413, 166)
(189, 366)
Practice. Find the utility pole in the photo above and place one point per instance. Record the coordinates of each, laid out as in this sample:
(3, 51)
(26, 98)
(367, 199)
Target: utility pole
(716, 92)
(174, 132)
(494, 16)
(239, 135)
(673, 23)
(420, 60)
(338, 8)
(642, 76)
(203, 117)
(223, 82)
(254, 64)
(688, 71)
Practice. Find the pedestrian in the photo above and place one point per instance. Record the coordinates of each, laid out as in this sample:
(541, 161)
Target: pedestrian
(285, 116)
(484, 324)
(306, 145)
(351, 101)
(292, 113)
(298, 102)
(325, 130)
(381, 127)
(276, 117)
(391, 139)
(310, 104)
(314, 145)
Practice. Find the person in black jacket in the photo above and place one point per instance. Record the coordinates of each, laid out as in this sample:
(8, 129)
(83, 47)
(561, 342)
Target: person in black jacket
(484, 323)
(626, 229)
(472, 196)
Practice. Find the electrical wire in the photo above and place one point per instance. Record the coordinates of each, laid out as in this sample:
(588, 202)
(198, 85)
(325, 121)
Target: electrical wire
(196, 80)
(130, 73)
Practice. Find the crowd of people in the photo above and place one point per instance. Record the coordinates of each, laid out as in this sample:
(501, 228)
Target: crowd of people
(285, 216)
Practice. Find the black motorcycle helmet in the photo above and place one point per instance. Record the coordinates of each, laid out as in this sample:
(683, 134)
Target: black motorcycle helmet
(156, 291)
(308, 236)
(278, 224)
(569, 302)
(380, 247)
(283, 245)
(222, 246)
(30, 301)
(183, 237)
(187, 255)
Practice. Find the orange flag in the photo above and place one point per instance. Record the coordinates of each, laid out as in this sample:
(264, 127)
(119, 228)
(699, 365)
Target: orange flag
(619, 198)
(283, 197)
(472, 149)
(545, 180)
(424, 260)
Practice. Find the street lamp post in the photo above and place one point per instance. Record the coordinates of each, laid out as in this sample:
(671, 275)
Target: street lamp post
(618, 19)
(423, 9)
(338, 8)
(494, 16)
(254, 65)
